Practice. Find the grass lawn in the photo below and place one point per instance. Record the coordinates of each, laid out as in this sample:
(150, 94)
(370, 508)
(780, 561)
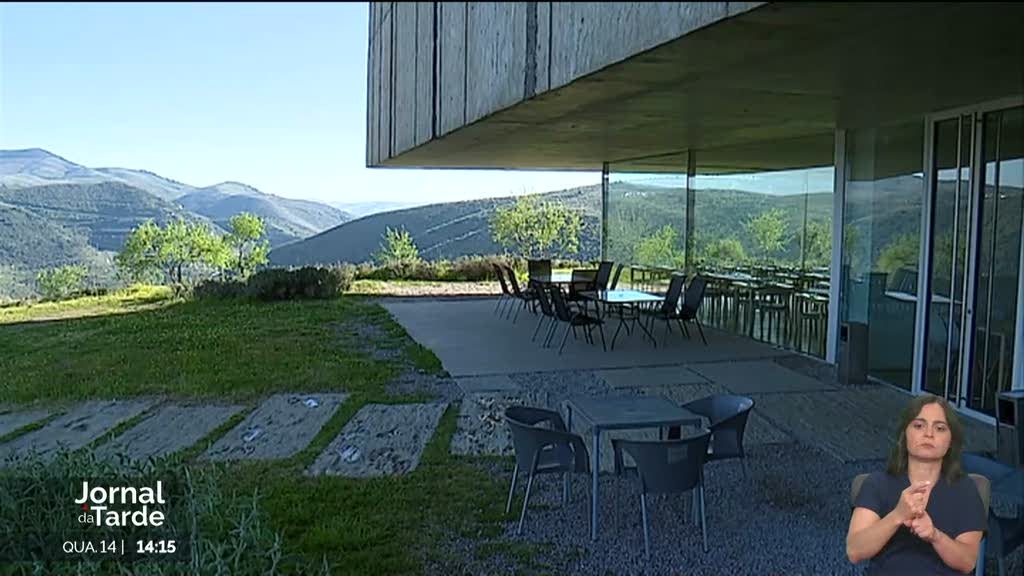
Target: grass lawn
(264, 517)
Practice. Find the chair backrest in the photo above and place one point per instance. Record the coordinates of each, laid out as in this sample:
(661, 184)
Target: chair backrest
(694, 294)
(615, 277)
(500, 273)
(582, 281)
(728, 414)
(529, 438)
(667, 466)
(539, 268)
(675, 290)
(542, 298)
(561, 308)
(513, 281)
(604, 273)
(980, 482)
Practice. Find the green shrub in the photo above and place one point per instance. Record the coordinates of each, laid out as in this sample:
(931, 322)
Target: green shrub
(219, 290)
(313, 282)
(61, 282)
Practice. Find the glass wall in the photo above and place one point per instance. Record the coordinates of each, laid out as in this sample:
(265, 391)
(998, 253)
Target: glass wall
(646, 225)
(881, 235)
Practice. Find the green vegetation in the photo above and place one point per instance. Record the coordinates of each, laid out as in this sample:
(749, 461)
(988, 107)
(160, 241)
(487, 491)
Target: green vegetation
(660, 249)
(247, 242)
(131, 299)
(266, 517)
(61, 282)
(533, 228)
(768, 229)
(398, 249)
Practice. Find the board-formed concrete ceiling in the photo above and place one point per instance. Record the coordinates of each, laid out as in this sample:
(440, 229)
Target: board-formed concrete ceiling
(762, 90)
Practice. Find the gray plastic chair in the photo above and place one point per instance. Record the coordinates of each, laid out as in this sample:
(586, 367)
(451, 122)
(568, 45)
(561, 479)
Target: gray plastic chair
(1005, 534)
(543, 450)
(667, 467)
(984, 491)
(728, 416)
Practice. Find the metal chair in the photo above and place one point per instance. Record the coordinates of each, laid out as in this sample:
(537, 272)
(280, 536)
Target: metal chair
(604, 274)
(728, 416)
(692, 301)
(666, 467)
(984, 491)
(615, 277)
(539, 268)
(1005, 534)
(506, 294)
(669, 309)
(574, 319)
(527, 297)
(543, 450)
(547, 313)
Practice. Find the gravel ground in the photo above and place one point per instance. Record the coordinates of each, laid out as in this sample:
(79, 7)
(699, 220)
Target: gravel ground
(789, 516)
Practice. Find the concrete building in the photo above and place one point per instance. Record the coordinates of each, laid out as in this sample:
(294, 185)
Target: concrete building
(905, 119)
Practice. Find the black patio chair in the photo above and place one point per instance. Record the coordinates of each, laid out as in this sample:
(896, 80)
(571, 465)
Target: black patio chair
(573, 319)
(615, 277)
(728, 416)
(506, 294)
(669, 309)
(604, 274)
(540, 449)
(667, 467)
(547, 313)
(692, 301)
(1005, 533)
(527, 297)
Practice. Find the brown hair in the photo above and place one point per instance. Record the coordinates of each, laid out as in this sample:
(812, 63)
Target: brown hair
(899, 455)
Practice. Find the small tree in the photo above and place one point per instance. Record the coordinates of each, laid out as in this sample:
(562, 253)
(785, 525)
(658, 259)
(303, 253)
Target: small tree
(727, 251)
(398, 247)
(61, 282)
(248, 251)
(659, 249)
(768, 231)
(818, 243)
(175, 250)
(533, 228)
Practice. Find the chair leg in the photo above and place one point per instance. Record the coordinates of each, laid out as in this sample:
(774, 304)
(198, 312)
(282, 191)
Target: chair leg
(647, 538)
(600, 328)
(743, 462)
(511, 489)
(701, 330)
(565, 337)
(565, 489)
(537, 329)
(526, 502)
(703, 521)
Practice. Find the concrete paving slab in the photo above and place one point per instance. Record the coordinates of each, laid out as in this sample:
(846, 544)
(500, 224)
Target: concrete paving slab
(73, 430)
(174, 427)
(380, 440)
(481, 428)
(489, 383)
(758, 377)
(650, 376)
(11, 421)
(280, 427)
(499, 346)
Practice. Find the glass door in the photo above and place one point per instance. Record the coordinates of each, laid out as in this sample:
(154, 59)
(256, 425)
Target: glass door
(974, 250)
(1001, 220)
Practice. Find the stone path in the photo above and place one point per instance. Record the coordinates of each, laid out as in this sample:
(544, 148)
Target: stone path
(174, 427)
(11, 421)
(380, 440)
(73, 430)
(280, 427)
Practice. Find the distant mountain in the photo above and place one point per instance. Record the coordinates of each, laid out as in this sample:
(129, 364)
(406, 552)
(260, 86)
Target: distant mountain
(287, 219)
(360, 209)
(441, 231)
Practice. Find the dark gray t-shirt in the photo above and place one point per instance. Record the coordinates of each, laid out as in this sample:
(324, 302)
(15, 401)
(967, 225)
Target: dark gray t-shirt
(954, 509)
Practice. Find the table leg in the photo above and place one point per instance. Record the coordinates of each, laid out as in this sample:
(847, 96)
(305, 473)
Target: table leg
(593, 489)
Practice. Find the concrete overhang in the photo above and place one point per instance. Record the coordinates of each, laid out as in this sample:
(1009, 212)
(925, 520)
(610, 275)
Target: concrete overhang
(758, 91)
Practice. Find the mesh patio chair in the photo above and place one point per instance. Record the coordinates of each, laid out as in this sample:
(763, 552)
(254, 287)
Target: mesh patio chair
(1005, 533)
(506, 294)
(574, 319)
(984, 491)
(526, 297)
(540, 449)
(692, 301)
(667, 467)
(728, 416)
(604, 274)
(547, 313)
(669, 309)
(615, 277)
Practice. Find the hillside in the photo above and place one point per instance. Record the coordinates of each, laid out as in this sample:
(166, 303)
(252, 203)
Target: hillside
(441, 231)
(287, 219)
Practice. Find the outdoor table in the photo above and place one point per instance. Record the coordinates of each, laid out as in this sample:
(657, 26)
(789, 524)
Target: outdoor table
(622, 413)
(624, 298)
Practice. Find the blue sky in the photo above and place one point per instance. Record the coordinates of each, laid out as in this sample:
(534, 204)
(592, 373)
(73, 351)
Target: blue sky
(273, 95)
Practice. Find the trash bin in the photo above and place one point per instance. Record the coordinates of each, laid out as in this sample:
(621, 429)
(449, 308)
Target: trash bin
(853, 353)
(1009, 420)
